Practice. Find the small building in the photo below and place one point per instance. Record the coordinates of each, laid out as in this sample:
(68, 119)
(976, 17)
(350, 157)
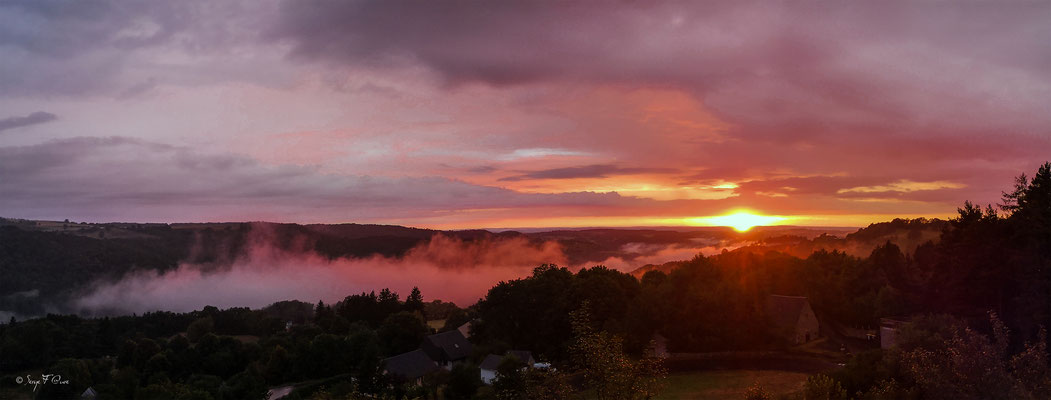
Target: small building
(446, 348)
(660, 346)
(465, 329)
(888, 331)
(525, 356)
(89, 394)
(410, 367)
(488, 368)
(491, 362)
(793, 318)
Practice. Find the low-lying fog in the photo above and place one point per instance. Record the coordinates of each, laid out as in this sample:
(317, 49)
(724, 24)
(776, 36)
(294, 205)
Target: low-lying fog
(443, 268)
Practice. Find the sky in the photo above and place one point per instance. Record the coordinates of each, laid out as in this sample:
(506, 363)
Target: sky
(449, 114)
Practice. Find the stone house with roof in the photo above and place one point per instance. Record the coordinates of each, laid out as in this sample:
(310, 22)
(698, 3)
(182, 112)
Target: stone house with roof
(793, 318)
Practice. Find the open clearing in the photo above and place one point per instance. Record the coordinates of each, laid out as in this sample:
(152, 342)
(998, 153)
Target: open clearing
(436, 324)
(729, 384)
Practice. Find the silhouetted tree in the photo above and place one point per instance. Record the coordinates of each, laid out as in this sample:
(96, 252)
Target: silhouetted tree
(414, 303)
(401, 332)
(612, 374)
(244, 385)
(464, 381)
(199, 328)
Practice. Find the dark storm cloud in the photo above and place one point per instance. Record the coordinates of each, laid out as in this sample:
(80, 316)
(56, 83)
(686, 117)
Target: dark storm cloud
(496, 42)
(38, 117)
(586, 171)
(111, 47)
(782, 72)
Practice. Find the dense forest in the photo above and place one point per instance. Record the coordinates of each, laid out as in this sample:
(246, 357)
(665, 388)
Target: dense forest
(979, 297)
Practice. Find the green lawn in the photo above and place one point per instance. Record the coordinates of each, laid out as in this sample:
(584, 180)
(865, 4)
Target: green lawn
(731, 384)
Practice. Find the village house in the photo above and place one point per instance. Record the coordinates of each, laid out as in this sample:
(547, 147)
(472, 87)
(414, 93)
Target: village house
(465, 329)
(525, 356)
(447, 348)
(410, 367)
(793, 318)
(491, 362)
(488, 368)
(888, 331)
(442, 350)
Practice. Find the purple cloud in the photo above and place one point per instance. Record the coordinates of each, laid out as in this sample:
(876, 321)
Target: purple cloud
(586, 171)
(121, 178)
(402, 110)
(38, 117)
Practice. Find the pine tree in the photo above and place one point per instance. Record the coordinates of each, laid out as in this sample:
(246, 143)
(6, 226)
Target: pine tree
(414, 303)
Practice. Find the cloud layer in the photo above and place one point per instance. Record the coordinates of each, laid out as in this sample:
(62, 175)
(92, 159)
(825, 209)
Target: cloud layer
(459, 114)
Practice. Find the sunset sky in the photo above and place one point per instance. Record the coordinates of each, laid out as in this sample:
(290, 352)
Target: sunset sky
(517, 114)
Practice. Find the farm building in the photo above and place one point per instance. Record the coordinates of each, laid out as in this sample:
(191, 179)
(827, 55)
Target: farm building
(446, 348)
(793, 317)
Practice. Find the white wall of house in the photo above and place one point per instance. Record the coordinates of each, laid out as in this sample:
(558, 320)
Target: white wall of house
(887, 336)
(488, 375)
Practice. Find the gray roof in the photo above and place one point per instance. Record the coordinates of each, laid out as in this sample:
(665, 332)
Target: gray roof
(452, 345)
(893, 322)
(465, 329)
(523, 355)
(491, 362)
(784, 311)
(411, 365)
(89, 393)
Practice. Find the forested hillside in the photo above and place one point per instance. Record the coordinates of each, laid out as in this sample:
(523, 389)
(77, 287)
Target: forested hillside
(47, 264)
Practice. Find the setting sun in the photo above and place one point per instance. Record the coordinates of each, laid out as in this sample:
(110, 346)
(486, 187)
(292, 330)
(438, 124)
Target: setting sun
(740, 220)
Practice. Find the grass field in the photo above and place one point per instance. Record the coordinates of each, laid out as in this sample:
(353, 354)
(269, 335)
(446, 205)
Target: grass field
(436, 323)
(729, 384)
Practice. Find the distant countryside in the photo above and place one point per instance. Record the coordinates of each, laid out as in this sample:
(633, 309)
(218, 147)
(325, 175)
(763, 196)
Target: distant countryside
(764, 320)
(525, 200)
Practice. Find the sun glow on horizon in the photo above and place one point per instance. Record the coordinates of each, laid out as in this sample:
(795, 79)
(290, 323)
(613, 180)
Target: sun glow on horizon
(741, 221)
